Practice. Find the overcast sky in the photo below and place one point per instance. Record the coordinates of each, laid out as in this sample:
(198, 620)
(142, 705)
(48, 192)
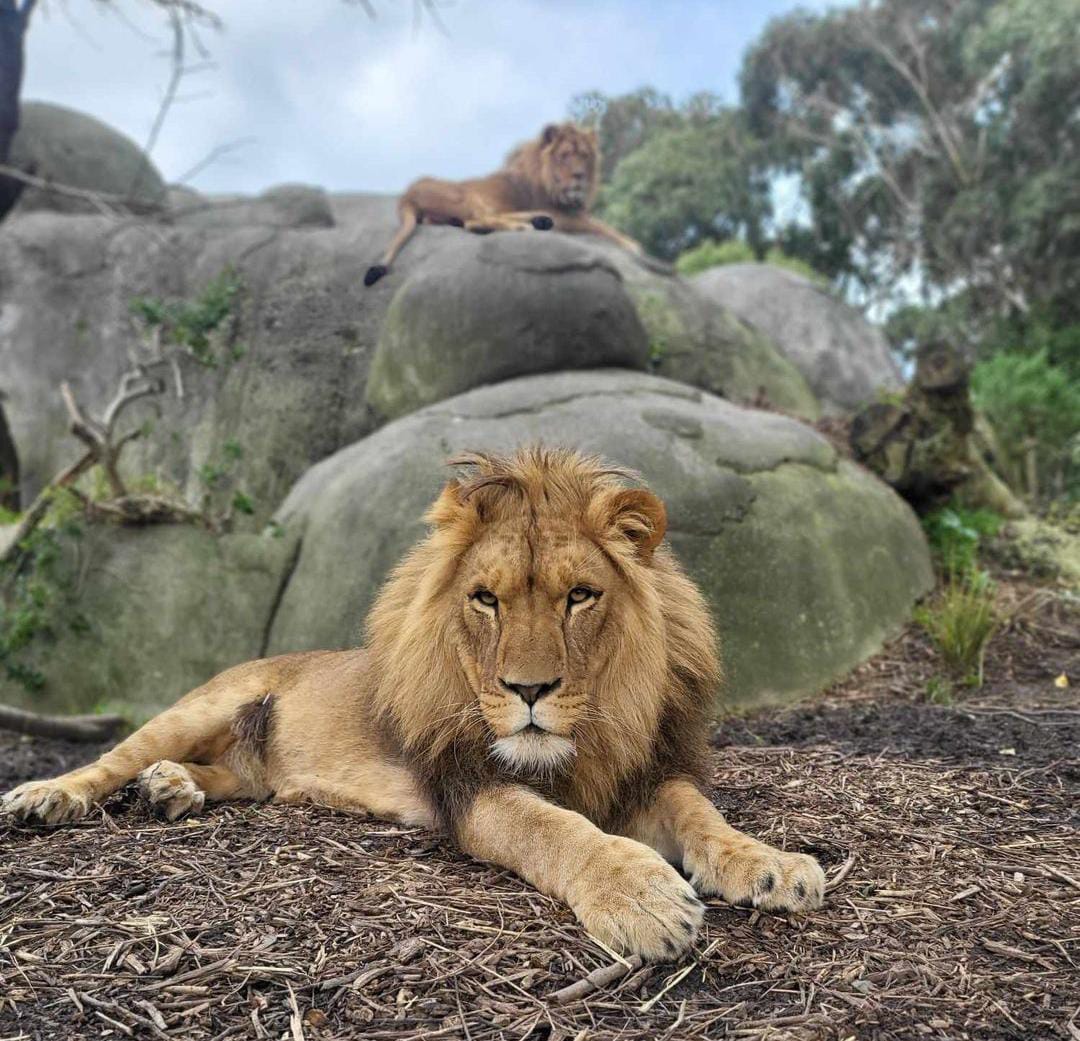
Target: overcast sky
(330, 97)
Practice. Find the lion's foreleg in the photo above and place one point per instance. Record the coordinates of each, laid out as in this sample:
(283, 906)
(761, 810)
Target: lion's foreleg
(585, 224)
(517, 220)
(725, 862)
(622, 892)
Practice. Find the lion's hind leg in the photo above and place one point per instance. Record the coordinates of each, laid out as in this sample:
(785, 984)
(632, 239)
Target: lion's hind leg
(172, 790)
(525, 220)
(197, 728)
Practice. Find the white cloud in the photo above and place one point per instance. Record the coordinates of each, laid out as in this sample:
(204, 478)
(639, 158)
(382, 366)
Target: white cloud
(335, 99)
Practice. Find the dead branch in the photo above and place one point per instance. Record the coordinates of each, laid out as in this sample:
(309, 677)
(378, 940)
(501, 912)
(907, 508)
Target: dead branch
(68, 728)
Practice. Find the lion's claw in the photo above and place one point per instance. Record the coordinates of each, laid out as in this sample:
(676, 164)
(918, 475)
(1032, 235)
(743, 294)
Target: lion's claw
(45, 802)
(758, 876)
(168, 789)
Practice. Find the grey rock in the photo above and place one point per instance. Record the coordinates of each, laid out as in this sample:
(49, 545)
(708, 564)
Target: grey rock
(161, 610)
(844, 358)
(808, 561)
(480, 310)
(75, 150)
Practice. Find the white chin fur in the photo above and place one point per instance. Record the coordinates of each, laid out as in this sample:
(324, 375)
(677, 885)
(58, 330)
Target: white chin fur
(533, 753)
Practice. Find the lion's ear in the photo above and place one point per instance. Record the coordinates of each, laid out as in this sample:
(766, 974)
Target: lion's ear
(549, 133)
(640, 517)
(446, 509)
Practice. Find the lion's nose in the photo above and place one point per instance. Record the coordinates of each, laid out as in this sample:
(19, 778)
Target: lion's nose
(531, 693)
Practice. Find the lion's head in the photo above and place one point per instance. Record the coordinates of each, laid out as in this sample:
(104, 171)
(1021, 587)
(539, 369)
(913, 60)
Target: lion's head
(541, 631)
(563, 163)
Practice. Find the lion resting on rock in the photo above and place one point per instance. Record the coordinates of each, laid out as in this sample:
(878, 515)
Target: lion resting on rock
(536, 681)
(549, 182)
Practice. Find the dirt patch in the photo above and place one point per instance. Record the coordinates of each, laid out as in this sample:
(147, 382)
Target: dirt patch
(949, 833)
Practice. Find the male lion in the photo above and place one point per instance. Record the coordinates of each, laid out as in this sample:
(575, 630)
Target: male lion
(537, 681)
(549, 182)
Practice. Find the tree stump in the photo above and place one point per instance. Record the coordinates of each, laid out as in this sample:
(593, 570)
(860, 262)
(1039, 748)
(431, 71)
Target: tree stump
(929, 446)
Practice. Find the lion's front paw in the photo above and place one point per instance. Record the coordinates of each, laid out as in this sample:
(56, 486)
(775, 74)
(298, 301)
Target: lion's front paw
(168, 789)
(46, 802)
(756, 875)
(637, 903)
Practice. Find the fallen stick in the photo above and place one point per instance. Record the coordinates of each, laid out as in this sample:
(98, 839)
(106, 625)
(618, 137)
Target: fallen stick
(596, 979)
(70, 728)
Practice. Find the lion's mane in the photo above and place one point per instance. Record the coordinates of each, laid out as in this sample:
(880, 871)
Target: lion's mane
(663, 675)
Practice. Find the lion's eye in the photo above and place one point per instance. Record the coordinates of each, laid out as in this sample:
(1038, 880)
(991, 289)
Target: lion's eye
(485, 597)
(581, 594)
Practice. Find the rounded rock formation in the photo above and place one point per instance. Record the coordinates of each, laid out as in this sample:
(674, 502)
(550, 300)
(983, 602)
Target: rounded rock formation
(808, 561)
(74, 150)
(844, 358)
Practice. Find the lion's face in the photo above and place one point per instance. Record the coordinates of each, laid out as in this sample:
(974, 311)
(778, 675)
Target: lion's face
(534, 629)
(569, 161)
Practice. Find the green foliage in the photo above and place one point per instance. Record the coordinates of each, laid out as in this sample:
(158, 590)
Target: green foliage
(960, 621)
(35, 598)
(690, 184)
(955, 534)
(191, 324)
(713, 254)
(734, 251)
(221, 476)
(933, 143)
(1035, 408)
(939, 690)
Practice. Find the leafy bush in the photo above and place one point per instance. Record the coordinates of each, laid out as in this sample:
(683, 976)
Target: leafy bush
(1035, 409)
(190, 324)
(955, 533)
(960, 620)
(734, 251)
(35, 597)
(712, 254)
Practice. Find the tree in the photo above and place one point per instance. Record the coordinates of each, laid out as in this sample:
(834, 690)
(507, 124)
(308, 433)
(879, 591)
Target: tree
(937, 145)
(14, 19)
(676, 175)
(687, 185)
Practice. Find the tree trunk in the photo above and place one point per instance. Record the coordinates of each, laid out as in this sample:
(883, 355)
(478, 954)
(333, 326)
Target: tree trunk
(14, 18)
(927, 447)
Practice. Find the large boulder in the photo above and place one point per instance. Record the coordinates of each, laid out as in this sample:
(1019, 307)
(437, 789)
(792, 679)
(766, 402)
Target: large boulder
(74, 150)
(696, 340)
(808, 561)
(844, 358)
(484, 310)
(136, 617)
(516, 304)
(291, 384)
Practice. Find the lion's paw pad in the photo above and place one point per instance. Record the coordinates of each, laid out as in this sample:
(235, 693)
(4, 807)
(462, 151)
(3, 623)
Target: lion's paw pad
(168, 789)
(761, 877)
(45, 802)
(639, 904)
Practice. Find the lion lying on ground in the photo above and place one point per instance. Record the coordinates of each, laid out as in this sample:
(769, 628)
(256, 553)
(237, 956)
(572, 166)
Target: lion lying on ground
(546, 183)
(537, 681)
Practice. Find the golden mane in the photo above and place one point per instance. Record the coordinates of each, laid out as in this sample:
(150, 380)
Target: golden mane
(532, 163)
(663, 676)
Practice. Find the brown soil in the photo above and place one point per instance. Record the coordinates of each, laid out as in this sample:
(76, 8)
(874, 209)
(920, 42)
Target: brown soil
(949, 832)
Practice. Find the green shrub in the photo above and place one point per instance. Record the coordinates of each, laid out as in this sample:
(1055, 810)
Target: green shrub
(960, 621)
(712, 254)
(734, 251)
(191, 324)
(1035, 408)
(955, 533)
(35, 598)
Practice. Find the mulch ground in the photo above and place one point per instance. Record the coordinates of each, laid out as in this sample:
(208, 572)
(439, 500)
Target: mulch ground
(949, 833)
